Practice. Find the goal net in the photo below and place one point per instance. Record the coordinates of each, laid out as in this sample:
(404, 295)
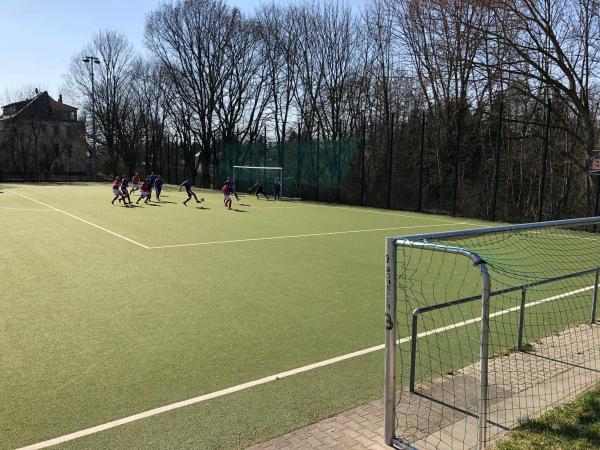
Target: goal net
(245, 177)
(487, 327)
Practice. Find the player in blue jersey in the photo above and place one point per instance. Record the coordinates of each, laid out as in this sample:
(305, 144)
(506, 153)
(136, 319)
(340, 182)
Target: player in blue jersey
(188, 190)
(152, 179)
(158, 186)
(124, 185)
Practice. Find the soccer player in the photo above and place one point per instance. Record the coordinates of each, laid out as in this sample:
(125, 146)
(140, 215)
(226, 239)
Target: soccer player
(277, 189)
(231, 187)
(145, 191)
(152, 181)
(259, 189)
(124, 191)
(227, 195)
(158, 186)
(188, 190)
(116, 189)
(135, 183)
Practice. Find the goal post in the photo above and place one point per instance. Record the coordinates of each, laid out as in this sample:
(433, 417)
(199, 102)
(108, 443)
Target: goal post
(244, 178)
(486, 327)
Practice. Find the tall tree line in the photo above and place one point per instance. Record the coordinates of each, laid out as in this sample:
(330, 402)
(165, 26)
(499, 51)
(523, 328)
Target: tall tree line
(483, 108)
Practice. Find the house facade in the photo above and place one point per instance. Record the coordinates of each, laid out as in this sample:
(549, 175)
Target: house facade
(41, 138)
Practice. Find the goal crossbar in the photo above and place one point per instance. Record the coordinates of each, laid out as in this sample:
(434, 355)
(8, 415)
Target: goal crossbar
(259, 167)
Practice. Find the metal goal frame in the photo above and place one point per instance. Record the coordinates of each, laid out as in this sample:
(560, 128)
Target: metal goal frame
(264, 169)
(421, 241)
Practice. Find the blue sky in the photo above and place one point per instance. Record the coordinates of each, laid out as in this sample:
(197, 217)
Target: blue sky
(39, 37)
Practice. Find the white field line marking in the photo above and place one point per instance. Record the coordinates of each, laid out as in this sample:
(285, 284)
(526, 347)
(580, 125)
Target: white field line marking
(570, 236)
(83, 220)
(26, 209)
(355, 209)
(270, 238)
(268, 379)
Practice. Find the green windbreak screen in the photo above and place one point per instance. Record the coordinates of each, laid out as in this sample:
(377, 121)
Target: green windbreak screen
(325, 164)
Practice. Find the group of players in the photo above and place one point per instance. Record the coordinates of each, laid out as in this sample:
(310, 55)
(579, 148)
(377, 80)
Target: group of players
(121, 188)
(122, 193)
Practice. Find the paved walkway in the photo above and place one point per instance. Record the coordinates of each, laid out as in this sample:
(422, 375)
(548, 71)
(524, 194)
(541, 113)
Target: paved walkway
(441, 414)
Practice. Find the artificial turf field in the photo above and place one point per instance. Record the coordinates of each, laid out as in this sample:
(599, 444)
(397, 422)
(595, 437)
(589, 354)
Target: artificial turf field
(109, 311)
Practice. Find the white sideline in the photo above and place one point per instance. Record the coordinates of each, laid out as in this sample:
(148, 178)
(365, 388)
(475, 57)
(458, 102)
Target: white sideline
(270, 238)
(288, 373)
(82, 220)
(26, 209)
(355, 209)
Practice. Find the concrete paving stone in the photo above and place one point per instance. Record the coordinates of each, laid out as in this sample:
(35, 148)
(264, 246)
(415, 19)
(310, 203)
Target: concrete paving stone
(522, 384)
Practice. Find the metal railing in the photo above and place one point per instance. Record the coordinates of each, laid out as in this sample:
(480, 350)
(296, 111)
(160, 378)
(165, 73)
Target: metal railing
(523, 304)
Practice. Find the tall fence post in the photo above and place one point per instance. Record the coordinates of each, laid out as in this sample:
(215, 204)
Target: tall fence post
(265, 160)
(544, 160)
(389, 416)
(482, 423)
(420, 202)
(298, 161)
(390, 161)
(597, 205)
(595, 296)
(521, 319)
(459, 121)
(318, 157)
(497, 159)
(338, 164)
(362, 164)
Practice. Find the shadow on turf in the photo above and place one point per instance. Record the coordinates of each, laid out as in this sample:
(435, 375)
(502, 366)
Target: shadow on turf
(202, 207)
(238, 210)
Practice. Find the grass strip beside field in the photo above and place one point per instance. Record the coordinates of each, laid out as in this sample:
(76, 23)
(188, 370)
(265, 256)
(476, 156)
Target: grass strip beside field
(574, 426)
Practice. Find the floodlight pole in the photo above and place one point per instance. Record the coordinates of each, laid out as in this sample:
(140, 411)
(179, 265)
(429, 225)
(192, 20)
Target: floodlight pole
(91, 60)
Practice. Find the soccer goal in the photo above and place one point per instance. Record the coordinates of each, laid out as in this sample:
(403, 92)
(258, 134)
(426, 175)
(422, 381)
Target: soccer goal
(244, 177)
(486, 327)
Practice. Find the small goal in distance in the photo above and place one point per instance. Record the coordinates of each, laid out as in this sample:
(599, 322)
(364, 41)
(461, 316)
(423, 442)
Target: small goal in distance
(244, 178)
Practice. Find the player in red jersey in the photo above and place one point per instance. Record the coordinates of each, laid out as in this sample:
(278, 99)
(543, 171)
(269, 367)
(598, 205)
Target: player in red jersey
(135, 183)
(117, 190)
(227, 195)
(145, 191)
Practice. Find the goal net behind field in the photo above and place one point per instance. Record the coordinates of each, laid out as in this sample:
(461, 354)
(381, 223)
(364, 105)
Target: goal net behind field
(487, 327)
(244, 178)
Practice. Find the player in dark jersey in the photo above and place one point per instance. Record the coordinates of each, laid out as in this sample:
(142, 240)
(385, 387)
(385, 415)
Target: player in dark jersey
(124, 191)
(158, 186)
(152, 181)
(231, 185)
(188, 189)
(259, 189)
(277, 189)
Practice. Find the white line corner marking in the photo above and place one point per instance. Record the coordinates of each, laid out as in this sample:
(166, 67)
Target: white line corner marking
(82, 220)
(288, 373)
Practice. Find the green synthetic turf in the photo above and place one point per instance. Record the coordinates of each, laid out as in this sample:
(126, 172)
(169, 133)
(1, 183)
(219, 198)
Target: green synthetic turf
(94, 328)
